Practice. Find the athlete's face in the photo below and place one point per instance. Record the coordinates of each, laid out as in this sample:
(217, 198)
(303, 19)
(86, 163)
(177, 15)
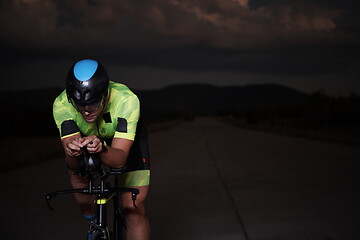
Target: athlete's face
(91, 112)
(90, 115)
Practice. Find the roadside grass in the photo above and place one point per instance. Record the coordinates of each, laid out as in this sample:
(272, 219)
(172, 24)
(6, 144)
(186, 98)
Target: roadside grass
(163, 125)
(339, 134)
(16, 152)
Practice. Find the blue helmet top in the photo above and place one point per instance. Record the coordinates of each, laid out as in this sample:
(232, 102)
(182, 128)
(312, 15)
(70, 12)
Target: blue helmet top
(87, 82)
(85, 69)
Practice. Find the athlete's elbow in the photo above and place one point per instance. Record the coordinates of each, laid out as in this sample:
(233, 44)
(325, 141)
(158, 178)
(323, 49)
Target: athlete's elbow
(117, 165)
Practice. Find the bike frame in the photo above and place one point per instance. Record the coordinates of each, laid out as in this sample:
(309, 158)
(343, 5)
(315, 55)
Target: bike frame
(101, 191)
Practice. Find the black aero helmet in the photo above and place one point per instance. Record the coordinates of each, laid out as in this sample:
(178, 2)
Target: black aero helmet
(87, 83)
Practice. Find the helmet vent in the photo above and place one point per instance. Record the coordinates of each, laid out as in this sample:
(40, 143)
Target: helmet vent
(87, 95)
(77, 94)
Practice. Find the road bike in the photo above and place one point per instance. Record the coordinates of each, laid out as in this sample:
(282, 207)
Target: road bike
(99, 186)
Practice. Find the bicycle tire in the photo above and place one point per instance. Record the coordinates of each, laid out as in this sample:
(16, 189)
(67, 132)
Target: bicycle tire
(118, 225)
(98, 236)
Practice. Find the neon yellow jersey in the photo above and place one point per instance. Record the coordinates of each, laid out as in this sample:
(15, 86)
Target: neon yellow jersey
(118, 120)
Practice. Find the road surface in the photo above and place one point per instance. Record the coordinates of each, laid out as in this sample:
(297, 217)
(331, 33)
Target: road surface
(211, 181)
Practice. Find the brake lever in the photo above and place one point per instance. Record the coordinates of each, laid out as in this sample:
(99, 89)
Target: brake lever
(134, 196)
(48, 201)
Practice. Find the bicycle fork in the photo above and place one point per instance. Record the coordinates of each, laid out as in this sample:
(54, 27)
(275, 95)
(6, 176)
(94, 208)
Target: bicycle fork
(101, 223)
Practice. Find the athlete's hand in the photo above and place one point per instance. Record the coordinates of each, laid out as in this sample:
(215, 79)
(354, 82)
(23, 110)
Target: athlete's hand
(92, 143)
(73, 147)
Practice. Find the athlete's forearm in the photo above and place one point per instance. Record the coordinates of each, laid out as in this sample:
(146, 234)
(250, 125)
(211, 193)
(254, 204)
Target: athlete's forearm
(113, 157)
(72, 148)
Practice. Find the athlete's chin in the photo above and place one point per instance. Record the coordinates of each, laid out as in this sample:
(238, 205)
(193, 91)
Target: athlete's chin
(90, 119)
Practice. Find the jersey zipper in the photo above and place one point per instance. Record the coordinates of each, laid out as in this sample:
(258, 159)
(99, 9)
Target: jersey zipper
(98, 130)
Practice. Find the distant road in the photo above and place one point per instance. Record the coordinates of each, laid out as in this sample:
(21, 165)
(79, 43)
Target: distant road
(211, 181)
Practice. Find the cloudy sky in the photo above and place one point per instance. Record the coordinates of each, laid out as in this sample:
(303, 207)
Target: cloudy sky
(308, 45)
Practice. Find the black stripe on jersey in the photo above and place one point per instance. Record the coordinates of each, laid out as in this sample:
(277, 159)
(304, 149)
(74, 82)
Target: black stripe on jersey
(122, 125)
(69, 127)
(139, 157)
(107, 117)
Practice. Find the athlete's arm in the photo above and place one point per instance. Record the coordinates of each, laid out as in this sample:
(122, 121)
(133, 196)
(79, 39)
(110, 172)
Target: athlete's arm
(72, 147)
(115, 155)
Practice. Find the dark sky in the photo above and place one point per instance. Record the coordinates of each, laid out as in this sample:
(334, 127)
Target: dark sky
(307, 45)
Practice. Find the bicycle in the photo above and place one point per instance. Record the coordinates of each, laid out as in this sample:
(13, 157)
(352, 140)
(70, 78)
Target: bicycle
(98, 186)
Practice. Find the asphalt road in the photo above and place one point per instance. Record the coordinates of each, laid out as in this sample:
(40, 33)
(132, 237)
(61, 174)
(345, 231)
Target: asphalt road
(211, 181)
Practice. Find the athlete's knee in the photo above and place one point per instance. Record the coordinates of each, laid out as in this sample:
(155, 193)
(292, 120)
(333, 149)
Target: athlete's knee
(134, 215)
(77, 181)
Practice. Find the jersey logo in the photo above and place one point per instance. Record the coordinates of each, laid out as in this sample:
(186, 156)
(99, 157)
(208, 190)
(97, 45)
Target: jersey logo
(122, 125)
(107, 117)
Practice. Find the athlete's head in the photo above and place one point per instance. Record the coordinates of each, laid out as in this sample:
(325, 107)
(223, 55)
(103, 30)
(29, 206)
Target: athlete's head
(87, 86)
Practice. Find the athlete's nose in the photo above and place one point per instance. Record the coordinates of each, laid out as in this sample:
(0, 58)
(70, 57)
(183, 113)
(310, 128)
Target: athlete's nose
(85, 112)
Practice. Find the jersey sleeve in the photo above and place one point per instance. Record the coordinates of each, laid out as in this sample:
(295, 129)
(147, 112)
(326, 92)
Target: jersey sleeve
(127, 121)
(64, 119)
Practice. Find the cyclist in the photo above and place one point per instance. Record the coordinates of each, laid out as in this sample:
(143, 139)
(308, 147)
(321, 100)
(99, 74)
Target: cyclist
(102, 116)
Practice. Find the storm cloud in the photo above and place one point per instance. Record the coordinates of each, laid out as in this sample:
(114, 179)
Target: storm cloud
(229, 24)
(262, 37)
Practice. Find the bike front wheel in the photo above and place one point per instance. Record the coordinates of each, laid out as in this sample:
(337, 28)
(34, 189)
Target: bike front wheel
(97, 235)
